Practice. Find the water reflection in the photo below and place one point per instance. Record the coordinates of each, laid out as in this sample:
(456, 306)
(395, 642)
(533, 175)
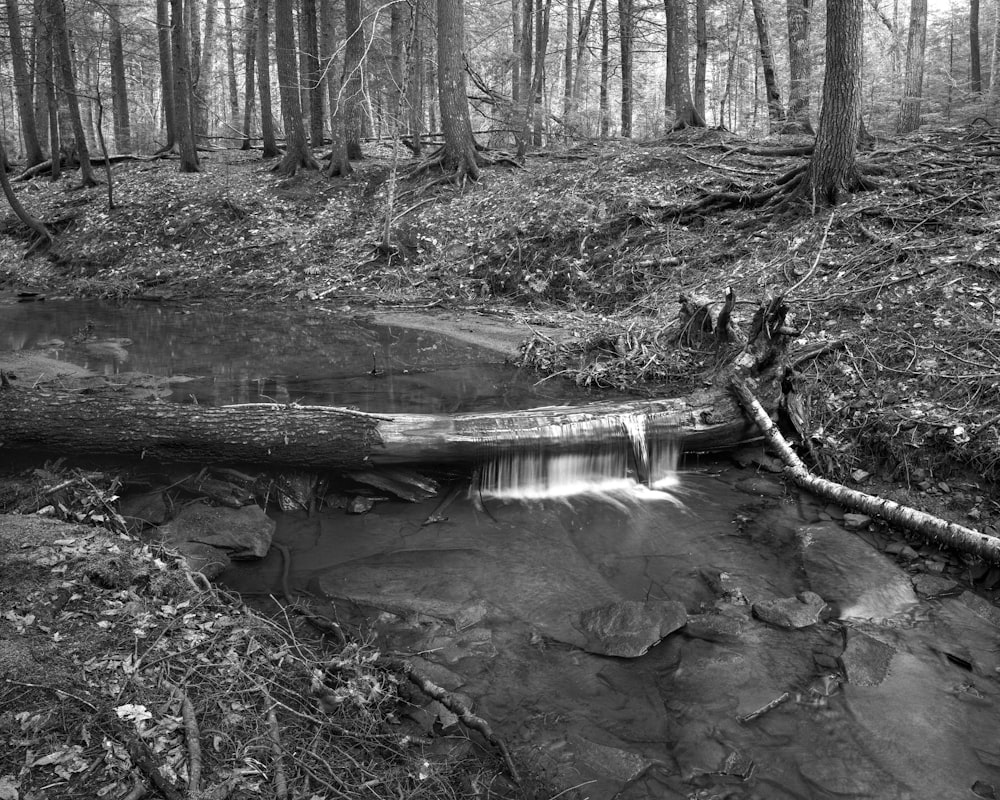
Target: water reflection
(232, 355)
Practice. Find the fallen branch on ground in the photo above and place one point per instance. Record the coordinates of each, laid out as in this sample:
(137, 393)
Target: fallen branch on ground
(942, 532)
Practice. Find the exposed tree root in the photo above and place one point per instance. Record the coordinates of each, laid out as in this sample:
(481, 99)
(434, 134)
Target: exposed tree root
(937, 530)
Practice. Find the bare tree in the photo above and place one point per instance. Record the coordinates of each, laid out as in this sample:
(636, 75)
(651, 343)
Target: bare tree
(340, 164)
(249, 66)
(23, 88)
(182, 88)
(775, 112)
(799, 67)
(626, 36)
(264, 81)
(701, 55)
(975, 66)
(909, 107)
(64, 57)
(677, 24)
(163, 36)
(119, 85)
(297, 151)
(354, 52)
(833, 170)
(41, 238)
(458, 156)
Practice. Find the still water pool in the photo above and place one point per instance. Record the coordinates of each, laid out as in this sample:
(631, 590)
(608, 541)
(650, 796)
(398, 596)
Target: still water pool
(892, 693)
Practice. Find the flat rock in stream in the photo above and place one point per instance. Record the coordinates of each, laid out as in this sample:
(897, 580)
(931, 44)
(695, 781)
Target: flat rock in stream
(866, 660)
(629, 628)
(850, 573)
(791, 612)
(241, 532)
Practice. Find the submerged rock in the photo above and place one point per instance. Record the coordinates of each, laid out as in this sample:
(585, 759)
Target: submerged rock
(241, 532)
(209, 561)
(629, 628)
(791, 612)
(866, 660)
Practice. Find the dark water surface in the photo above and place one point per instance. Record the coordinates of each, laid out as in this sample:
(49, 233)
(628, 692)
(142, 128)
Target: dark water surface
(893, 697)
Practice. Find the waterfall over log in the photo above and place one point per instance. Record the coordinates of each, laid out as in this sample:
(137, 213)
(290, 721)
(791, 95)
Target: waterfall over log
(710, 419)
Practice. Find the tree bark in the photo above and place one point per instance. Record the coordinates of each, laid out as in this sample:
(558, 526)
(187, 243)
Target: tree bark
(166, 73)
(525, 49)
(332, 437)
(459, 153)
(264, 80)
(23, 88)
(995, 57)
(542, 14)
(231, 80)
(354, 51)
(42, 238)
(249, 68)
(415, 79)
(684, 111)
(775, 112)
(833, 170)
(297, 152)
(909, 108)
(340, 164)
(203, 78)
(799, 67)
(182, 88)
(975, 66)
(119, 84)
(311, 69)
(603, 113)
(626, 34)
(701, 55)
(568, 67)
(64, 57)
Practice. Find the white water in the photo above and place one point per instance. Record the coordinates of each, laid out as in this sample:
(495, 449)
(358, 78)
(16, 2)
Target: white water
(613, 456)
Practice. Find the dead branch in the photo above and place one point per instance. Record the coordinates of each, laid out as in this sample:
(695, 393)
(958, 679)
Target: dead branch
(193, 739)
(274, 734)
(935, 529)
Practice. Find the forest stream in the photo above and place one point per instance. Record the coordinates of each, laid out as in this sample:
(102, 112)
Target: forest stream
(726, 637)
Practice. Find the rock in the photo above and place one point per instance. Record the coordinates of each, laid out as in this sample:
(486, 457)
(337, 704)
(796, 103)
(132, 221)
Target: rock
(615, 762)
(761, 487)
(721, 627)
(209, 561)
(360, 505)
(866, 660)
(854, 522)
(242, 532)
(143, 510)
(981, 607)
(847, 572)
(791, 612)
(933, 585)
(629, 628)
(901, 549)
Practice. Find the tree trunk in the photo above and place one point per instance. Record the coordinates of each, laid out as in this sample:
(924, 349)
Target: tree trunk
(23, 88)
(995, 57)
(538, 81)
(323, 437)
(231, 80)
(701, 55)
(264, 80)
(626, 31)
(568, 67)
(51, 101)
(775, 112)
(310, 59)
(522, 111)
(459, 154)
(684, 111)
(64, 58)
(603, 114)
(975, 68)
(249, 67)
(119, 84)
(42, 239)
(297, 152)
(340, 164)
(40, 66)
(833, 169)
(182, 88)
(203, 78)
(415, 79)
(354, 52)
(799, 67)
(582, 53)
(166, 73)
(909, 108)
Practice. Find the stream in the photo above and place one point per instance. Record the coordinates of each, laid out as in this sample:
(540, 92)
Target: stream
(889, 692)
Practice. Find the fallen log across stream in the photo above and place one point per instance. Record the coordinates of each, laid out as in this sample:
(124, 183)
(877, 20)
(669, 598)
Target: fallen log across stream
(303, 437)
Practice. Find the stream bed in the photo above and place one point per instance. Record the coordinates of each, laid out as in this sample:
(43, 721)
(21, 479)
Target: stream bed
(876, 678)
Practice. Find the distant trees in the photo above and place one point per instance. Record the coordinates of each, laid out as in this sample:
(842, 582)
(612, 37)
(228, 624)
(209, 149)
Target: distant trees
(540, 71)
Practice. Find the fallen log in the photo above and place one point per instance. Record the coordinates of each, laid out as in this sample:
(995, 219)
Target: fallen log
(710, 419)
(935, 529)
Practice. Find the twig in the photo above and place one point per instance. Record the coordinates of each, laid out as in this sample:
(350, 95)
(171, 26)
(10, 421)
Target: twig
(784, 697)
(61, 692)
(819, 252)
(193, 743)
(274, 734)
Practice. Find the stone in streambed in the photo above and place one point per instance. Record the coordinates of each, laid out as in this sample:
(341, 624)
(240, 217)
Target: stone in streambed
(209, 561)
(791, 612)
(629, 628)
(866, 660)
(241, 532)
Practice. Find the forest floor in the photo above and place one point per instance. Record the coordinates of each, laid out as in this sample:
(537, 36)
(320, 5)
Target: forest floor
(598, 242)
